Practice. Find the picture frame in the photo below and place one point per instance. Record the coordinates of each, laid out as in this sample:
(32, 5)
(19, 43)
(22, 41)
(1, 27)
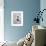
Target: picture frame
(16, 18)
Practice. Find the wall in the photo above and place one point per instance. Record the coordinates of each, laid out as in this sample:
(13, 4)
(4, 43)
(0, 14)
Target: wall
(43, 6)
(29, 7)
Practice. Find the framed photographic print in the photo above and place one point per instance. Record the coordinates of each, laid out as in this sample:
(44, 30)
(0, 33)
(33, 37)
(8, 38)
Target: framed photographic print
(17, 18)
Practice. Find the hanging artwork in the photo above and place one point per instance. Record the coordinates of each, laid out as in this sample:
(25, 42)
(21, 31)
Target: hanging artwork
(17, 18)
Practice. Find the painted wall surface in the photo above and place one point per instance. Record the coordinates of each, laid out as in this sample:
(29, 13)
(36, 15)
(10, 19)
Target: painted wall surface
(29, 7)
(43, 6)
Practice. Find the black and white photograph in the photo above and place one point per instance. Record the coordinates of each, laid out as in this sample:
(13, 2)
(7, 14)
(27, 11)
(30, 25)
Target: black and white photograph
(17, 18)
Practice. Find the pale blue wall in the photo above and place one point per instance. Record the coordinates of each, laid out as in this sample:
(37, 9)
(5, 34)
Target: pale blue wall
(43, 6)
(29, 7)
